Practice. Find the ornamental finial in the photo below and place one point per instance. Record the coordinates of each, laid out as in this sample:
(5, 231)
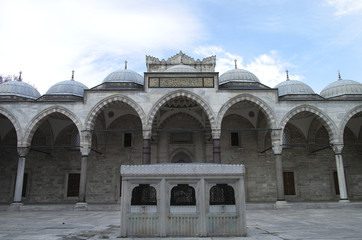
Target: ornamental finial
(287, 75)
(236, 63)
(339, 75)
(20, 75)
(125, 65)
(72, 75)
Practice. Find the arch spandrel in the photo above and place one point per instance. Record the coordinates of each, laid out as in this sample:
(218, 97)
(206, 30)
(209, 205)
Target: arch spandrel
(15, 123)
(38, 119)
(269, 114)
(181, 93)
(96, 110)
(323, 117)
(345, 120)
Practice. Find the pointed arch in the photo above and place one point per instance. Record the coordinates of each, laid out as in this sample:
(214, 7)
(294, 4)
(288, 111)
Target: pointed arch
(250, 98)
(345, 120)
(37, 120)
(15, 123)
(96, 110)
(326, 120)
(181, 93)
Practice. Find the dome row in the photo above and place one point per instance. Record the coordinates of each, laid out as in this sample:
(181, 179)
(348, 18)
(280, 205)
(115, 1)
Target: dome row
(288, 87)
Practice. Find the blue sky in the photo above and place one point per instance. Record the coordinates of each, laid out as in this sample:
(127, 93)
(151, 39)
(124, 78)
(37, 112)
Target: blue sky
(312, 39)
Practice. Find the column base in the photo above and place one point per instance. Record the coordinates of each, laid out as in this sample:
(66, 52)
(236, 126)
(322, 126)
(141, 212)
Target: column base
(15, 206)
(344, 201)
(81, 206)
(281, 204)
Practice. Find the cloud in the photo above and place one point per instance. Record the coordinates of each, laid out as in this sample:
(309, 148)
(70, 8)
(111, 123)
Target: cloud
(47, 39)
(345, 7)
(269, 68)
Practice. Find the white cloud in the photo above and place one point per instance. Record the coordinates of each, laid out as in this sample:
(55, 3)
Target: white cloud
(47, 39)
(344, 7)
(269, 68)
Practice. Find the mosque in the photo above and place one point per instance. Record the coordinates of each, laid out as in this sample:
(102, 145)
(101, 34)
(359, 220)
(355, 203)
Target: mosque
(68, 145)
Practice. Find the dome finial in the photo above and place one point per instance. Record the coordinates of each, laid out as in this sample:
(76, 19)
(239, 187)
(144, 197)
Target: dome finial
(287, 75)
(236, 63)
(125, 65)
(339, 75)
(20, 76)
(72, 75)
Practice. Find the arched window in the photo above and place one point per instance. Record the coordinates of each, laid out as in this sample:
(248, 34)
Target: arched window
(144, 194)
(222, 194)
(183, 195)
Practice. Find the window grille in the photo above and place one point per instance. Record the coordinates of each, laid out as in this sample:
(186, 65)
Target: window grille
(222, 194)
(287, 138)
(73, 185)
(183, 195)
(127, 140)
(234, 139)
(144, 194)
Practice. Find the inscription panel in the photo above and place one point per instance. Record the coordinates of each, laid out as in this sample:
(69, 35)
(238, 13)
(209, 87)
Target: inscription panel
(180, 82)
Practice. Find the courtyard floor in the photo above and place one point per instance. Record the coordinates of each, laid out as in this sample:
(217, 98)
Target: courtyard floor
(291, 224)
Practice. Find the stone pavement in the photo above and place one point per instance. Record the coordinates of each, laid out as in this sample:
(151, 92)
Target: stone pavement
(291, 224)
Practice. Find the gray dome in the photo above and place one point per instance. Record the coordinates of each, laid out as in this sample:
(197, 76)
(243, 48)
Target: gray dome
(68, 87)
(20, 89)
(181, 68)
(238, 75)
(293, 87)
(341, 87)
(124, 75)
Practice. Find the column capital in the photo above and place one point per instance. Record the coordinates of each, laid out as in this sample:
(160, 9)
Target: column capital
(216, 133)
(23, 151)
(337, 148)
(147, 133)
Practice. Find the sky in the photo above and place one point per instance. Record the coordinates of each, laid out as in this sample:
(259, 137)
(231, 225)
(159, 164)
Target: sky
(311, 39)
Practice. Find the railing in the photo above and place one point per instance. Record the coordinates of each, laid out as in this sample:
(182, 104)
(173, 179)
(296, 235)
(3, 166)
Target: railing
(222, 224)
(143, 224)
(183, 225)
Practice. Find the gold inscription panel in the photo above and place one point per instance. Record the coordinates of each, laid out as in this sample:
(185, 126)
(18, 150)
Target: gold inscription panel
(180, 82)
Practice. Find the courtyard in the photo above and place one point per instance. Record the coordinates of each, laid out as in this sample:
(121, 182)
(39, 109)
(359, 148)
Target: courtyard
(292, 224)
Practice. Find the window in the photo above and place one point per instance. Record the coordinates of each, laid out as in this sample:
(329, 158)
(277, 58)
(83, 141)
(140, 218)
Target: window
(235, 139)
(222, 194)
(287, 138)
(181, 138)
(289, 188)
(336, 184)
(73, 185)
(183, 195)
(127, 140)
(144, 194)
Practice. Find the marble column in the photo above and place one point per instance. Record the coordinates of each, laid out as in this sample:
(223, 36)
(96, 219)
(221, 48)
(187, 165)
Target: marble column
(83, 179)
(337, 148)
(22, 151)
(146, 153)
(216, 141)
(277, 149)
(85, 150)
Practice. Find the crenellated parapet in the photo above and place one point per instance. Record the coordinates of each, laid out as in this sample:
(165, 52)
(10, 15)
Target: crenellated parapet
(156, 65)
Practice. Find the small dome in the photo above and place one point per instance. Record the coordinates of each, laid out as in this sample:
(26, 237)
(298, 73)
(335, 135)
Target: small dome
(293, 87)
(124, 75)
(68, 87)
(20, 89)
(238, 75)
(181, 68)
(341, 87)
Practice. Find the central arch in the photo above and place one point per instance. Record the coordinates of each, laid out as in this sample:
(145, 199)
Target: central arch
(181, 93)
